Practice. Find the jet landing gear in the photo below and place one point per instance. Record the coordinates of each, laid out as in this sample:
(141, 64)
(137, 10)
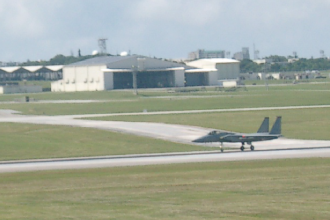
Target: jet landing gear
(242, 147)
(251, 147)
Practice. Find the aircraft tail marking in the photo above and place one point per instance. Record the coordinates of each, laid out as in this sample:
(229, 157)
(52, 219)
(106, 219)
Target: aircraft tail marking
(264, 127)
(276, 129)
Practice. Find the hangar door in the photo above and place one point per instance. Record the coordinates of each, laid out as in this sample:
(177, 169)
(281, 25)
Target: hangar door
(123, 80)
(196, 79)
(155, 79)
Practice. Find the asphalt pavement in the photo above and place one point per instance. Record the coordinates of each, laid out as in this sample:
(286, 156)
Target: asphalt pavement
(156, 159)
(274, 149)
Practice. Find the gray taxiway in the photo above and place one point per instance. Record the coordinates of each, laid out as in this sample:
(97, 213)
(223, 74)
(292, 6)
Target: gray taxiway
(274, 149)
(157, 159)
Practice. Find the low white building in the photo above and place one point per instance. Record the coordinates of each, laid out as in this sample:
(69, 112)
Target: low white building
(17, 73)
(222, 69)
(118, 72)
(13, 89)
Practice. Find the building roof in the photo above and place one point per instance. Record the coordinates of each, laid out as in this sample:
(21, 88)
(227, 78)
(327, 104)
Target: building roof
(211, 63)
(218, 60)
(149, 64)
(31, 69)
(10, 69)
(55, 68)
(198, 70)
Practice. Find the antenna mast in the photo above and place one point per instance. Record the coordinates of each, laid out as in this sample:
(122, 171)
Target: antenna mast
(103, 46)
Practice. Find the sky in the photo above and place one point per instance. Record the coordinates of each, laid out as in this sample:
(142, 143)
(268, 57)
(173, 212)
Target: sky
(39, 29)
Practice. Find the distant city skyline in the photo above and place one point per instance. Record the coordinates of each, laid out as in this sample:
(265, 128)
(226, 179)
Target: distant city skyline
(39, 30)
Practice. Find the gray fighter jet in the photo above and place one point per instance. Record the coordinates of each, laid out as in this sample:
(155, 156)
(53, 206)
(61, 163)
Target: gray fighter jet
(262, 134)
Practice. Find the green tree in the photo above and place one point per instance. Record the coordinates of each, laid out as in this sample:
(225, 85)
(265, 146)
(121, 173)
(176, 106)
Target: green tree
(249, 66)
(277, 59)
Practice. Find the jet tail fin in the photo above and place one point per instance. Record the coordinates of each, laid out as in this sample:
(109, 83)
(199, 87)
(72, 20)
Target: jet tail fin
(264, 127)
(276, 129)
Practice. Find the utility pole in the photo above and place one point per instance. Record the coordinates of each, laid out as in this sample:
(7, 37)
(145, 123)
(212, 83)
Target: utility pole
(138, 67)
(265, 72)
(134, 73)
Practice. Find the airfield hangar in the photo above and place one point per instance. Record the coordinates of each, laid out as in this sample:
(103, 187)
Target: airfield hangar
(122, 72)
(10, 75)
(226, 69)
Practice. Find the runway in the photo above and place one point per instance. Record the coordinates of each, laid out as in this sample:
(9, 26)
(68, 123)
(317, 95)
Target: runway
(169, 132)
(157, 159)
(274, 149)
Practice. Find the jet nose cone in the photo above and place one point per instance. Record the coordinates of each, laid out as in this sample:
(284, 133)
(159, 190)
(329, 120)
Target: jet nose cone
(199, 140)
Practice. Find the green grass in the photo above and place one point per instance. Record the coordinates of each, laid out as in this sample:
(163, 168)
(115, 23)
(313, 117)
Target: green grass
(258, 98)
(277, 189)
(27, 141)
(310, 124)
(100, 95)
(21, 141)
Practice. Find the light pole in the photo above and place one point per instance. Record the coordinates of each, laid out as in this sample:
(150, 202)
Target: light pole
(134, 73)
(265, 72)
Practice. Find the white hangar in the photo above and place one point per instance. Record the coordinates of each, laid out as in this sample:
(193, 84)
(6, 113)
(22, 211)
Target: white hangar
(227, 69)
(117, 72)
(17, 73)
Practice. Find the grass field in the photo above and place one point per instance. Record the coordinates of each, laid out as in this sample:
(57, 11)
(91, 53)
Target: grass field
(22, 141)
(310, 124)
(100, 95)
(152, 101)
(27, 141)
(276, 189)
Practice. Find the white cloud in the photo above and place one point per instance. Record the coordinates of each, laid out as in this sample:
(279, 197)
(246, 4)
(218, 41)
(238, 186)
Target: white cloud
(18, 18)
(191, 13)
(168, 28)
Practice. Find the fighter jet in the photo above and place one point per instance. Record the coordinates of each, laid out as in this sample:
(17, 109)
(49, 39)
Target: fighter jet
(262, 134)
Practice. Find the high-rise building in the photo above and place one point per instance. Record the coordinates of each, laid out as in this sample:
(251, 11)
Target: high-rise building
(246, 53)
(207, 54)
(238, 56)
(243, 55)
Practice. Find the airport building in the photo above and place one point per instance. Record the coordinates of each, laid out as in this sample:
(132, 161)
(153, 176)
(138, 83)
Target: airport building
(226, 69)
(243, 55)
(15, 88)
(127, 72)
(8, 76)
(206, 54)
(18, 73)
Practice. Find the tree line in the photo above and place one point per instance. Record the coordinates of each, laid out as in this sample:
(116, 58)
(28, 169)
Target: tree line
(275, 63)
(282, 64)
(58, 60)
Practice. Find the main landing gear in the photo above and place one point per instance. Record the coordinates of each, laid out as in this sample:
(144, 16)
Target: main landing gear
(221, 147)
(243, 148)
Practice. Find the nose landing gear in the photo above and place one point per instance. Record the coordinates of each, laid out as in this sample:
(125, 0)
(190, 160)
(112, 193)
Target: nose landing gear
(221, 147)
